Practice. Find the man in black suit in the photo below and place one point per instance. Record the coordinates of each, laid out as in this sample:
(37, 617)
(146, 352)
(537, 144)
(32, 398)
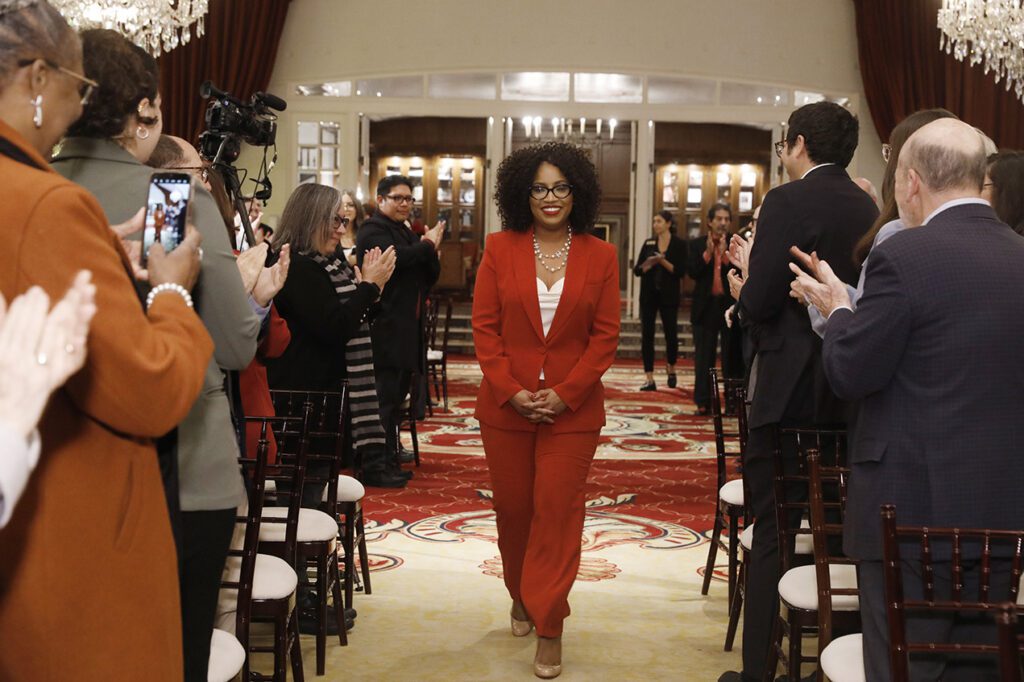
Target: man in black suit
(397, 327)
(821, 210)
(708, 264)
(933, 354)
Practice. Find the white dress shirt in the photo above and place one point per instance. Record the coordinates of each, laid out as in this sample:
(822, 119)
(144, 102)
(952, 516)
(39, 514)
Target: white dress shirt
(18, 458)
(548, 299)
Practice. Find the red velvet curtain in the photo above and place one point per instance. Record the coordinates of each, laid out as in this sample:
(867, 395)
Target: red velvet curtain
(237, 52)
(904, 71)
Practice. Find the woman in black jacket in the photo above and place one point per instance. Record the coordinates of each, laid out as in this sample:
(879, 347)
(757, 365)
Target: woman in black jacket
(325, 302)
(660, 265)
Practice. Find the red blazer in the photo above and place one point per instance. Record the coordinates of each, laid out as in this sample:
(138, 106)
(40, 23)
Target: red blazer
(509, 336)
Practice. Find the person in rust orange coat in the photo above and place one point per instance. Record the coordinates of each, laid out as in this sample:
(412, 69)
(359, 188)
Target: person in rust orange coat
(546, 327)
(88, 573)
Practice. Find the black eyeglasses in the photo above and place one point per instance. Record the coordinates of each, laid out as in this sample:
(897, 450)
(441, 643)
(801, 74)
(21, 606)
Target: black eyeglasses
(86, 86)
(540, 192)
(779, 146)
(401, 198)
(202, 171)
(340, 221)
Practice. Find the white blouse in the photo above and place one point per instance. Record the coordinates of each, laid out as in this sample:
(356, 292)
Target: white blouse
(548, 299)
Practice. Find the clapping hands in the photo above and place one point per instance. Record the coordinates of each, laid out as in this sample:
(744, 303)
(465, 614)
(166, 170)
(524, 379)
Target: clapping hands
(821, 288)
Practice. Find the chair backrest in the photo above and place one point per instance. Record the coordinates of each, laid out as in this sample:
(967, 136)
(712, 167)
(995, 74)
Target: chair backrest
(723, 431)
(792, 480)
(1011, 642)
(430, 321)
(255, 473)
(328, 433)
(827, 492)
(289, 473)
(967, 545)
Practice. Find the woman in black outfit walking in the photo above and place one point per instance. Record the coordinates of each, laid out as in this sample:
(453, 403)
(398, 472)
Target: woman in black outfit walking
(660, 265)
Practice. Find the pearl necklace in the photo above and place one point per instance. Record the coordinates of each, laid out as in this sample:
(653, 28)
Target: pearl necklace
(562, 253)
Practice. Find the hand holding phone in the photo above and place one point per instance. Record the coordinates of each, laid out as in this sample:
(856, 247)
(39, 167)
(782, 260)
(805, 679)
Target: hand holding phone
(179, 267)
(168, 209)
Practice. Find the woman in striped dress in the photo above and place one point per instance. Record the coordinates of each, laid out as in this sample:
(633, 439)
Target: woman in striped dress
(325, 303)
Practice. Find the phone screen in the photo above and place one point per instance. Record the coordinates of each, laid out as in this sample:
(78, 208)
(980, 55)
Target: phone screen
(166, 211)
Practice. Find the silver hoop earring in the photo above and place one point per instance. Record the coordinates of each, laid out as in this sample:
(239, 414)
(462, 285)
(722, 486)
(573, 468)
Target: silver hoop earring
(37, 115)
(139, 132)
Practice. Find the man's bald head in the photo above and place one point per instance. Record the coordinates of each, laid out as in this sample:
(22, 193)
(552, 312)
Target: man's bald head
(188, 152)
(947, 155)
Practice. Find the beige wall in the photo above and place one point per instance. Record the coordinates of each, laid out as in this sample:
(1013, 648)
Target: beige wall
(807, 44)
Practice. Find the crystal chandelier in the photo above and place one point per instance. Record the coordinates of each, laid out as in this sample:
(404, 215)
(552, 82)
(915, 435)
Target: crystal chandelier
(155, 25)
(989, 32)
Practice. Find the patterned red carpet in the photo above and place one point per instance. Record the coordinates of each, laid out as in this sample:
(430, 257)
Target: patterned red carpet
(655, 459)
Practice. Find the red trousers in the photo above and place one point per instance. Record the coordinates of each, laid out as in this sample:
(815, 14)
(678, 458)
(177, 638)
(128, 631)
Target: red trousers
(538, 480)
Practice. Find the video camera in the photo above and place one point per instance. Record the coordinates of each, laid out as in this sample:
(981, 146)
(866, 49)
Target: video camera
(229, 123)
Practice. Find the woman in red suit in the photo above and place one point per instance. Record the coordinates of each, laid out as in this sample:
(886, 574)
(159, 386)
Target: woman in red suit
(546, 327)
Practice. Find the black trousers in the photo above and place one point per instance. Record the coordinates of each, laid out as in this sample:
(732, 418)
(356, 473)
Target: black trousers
(951, 627)
(707, 336)
(669, 311)
(761, 605)
(206, 538)
(392, 387)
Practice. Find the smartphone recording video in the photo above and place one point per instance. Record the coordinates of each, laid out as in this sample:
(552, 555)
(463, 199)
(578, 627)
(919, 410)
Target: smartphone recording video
(166, 211)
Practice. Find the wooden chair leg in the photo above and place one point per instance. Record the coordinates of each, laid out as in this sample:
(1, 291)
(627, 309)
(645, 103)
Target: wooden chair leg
(736, 606)
(321, 614)
(348, 546)
(796, 636)
(339, 603)
(415, 440)
(444, 382)
(716, 534)
(296, 649)
(364, 556)
(280, 649)
(734, 548)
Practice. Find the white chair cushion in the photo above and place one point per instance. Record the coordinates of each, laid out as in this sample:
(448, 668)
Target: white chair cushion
(314, 525)
(799, 587)
(732, 492)
(226, 657)
(349, 489)
(843, 659)
(435, 354)
(804, 543)
(274, 578)
(270, 486)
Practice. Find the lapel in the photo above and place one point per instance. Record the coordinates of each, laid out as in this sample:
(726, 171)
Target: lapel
(575, 278)
(525, 268)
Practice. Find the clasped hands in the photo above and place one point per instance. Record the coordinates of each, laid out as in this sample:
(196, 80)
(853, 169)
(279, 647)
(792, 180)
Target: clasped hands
(821, 288)
(538, 407)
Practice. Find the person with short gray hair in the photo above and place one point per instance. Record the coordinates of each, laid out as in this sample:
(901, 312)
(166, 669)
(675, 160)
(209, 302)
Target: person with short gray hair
(934, 359)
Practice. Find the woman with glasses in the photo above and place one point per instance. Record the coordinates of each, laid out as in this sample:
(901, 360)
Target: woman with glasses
(325, 303)
(660, 265)
(87, 558)
(546, 327)
(105, 152)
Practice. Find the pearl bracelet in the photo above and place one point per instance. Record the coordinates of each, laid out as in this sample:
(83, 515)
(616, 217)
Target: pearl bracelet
(168, 286)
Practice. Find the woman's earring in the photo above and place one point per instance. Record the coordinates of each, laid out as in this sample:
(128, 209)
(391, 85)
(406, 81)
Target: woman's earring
(142, 132)
(37, 116)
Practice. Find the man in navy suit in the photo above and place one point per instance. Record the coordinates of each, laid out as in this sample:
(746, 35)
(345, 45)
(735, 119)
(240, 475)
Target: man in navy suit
(821, 210)
(933, 352)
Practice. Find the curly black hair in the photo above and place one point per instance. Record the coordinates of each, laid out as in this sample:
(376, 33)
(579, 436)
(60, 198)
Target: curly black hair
(516, 174)
(127, 74)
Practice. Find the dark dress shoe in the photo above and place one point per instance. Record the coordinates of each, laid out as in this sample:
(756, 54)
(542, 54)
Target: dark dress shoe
(733, 676)
(702, 411)
(308, 625)
(383, 479)
(649, 386)
(672, 379)
(406, 456)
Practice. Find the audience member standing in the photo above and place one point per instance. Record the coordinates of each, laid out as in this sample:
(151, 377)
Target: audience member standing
(1004, 188)
(935, 361)
(660, 265)
(105, 152)
(708, 264)
(399, 348)
(546, 327)
(96, 498)
(820, 210)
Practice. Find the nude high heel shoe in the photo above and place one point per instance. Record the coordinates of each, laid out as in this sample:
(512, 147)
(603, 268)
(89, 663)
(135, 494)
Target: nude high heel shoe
(520, 628)
(547, 671)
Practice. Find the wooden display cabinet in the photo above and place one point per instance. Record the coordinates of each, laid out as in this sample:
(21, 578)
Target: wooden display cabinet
(690, 190)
